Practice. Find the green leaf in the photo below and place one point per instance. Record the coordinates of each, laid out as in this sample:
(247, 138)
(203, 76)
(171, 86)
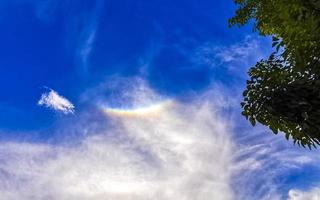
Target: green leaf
(290, 74)
(252, 121)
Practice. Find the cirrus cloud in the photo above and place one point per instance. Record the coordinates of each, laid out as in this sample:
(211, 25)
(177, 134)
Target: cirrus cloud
(174, 152)
(181, 150)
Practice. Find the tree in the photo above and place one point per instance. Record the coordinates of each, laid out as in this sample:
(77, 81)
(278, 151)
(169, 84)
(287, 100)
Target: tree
(283, 91)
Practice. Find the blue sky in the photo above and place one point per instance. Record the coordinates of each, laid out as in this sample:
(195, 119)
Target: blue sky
(139, 89)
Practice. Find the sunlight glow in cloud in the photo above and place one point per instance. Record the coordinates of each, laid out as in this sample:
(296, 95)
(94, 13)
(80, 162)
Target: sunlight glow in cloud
(56, 102)
(147, 110)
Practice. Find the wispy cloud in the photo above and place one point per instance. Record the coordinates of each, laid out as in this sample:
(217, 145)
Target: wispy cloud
(56, 102)
(236, 57)
(84, 39)
(81, 25)
(239, 52)
(174, 153)
(182, 150)
(85, 48)
(87, 35)
(264, 163)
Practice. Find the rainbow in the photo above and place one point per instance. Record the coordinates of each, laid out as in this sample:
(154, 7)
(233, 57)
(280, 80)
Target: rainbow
(139, 111)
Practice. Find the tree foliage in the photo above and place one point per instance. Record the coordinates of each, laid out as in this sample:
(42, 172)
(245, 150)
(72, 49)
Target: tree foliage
(283, 91)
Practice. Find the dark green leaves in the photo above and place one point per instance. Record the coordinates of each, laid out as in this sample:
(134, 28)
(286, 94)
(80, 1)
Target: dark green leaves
(283, 91)
(284, 100)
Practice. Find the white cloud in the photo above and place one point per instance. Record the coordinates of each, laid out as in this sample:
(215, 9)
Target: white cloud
(313, 194)
(265, 163)
(179, 150)
(56, 102)
(174, 153)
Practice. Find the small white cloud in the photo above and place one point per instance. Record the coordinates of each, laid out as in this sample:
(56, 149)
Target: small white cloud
(313, 194)
(56, 102)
